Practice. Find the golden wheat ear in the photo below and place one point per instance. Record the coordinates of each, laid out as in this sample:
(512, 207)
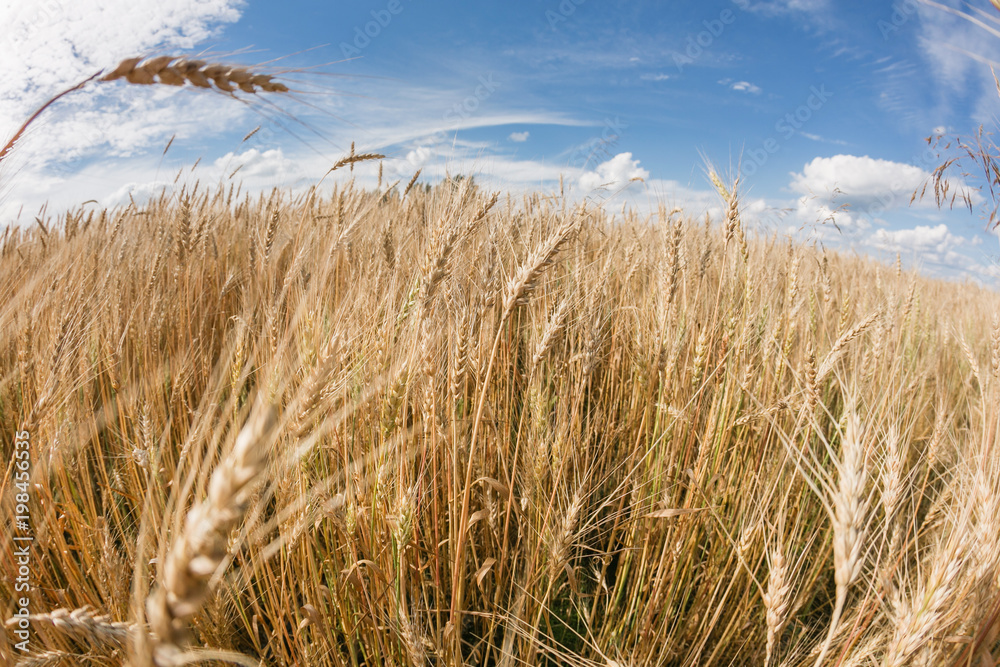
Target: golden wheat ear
(171, 71)
(200, 550)
(176, 71)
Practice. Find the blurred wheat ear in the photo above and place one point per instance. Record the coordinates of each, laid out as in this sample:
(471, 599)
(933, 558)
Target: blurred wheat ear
(171, 71)
(200, 551)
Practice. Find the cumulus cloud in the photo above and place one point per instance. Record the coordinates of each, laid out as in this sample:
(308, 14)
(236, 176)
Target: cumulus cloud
(816, 213)
(518, 137)
(860, 177)
(923, 239)
(613, 174)
(858, 194)
(419, 156)
(269, 165)
(938, 251)
(851, 188)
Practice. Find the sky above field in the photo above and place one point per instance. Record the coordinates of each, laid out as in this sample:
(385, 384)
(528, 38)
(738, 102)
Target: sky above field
(821, 108)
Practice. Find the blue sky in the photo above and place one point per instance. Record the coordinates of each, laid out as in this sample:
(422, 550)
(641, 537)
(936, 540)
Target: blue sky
(824, 107)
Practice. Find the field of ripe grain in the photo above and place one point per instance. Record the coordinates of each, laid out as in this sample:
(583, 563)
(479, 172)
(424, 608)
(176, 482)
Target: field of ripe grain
(438, 427)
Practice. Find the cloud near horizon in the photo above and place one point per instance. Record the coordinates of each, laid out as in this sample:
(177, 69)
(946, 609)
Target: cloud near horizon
(614, 174)
(852, 190)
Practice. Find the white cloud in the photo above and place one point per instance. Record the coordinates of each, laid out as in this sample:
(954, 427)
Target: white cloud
(849, 189)
(658, 76)
(922, 239)
(817, 137)
(269, 165)
(867, 199)
(613, 174)
(746, 87)
(861, 178)
(817, 213)
(48, 46)
(518, 137)
(419, 156)
(937, 251)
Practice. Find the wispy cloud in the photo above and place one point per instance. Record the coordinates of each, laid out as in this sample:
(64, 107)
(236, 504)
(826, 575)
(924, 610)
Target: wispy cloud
(746, 87)
(740, 86)
(816, 137)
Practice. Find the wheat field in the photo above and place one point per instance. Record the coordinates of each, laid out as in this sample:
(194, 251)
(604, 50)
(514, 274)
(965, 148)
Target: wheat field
(434, 425)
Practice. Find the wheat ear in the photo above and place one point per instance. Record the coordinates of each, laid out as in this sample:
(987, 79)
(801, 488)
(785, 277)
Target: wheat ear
(199, 551)
(169, 70)
(175, 71)
(777, 602)
(849, 521)
(84, 622)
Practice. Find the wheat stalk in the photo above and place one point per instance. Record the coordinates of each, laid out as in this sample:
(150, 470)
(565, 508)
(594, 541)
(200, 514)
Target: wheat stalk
(917, 621)
(517, 289)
